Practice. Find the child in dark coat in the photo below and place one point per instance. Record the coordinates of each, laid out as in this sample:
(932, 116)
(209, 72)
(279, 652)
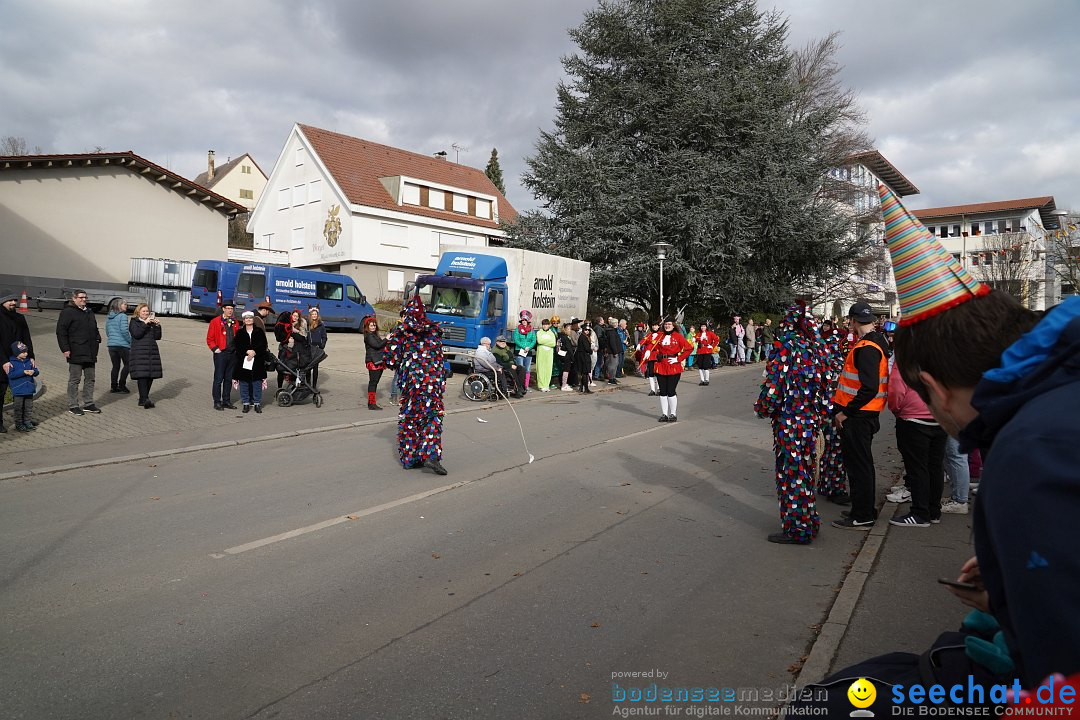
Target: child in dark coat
(21, 379)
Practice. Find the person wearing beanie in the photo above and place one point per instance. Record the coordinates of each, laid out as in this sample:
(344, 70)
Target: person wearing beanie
(20, 375)
(13, 328)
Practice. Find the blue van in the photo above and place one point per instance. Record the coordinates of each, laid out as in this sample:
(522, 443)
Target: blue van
(339, 300)
(210, 277)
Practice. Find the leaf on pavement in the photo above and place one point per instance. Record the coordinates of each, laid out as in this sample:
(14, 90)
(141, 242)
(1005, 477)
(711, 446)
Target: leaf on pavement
(155, 497)
(353, 517)
(583, 699)
(518, 574)
(436, 555)
(595, 625)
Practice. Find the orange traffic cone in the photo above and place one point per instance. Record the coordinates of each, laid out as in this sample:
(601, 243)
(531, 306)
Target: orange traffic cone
(23, 306)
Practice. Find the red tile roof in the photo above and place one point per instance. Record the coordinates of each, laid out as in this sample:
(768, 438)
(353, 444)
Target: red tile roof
(132, 162)
(358, 164)
(1044, 204)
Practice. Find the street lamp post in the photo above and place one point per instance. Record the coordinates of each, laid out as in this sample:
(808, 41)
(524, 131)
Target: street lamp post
(661, 255)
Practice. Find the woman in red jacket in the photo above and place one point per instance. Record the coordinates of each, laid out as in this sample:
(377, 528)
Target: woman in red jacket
(671, 350)
(646, 356)
(707, 342)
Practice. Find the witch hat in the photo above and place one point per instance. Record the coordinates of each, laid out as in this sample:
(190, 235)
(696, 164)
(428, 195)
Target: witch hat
(928, 279)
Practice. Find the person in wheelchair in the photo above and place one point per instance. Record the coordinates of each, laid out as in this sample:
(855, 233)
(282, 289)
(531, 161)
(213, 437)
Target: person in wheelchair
(488, 364)
(515, 374)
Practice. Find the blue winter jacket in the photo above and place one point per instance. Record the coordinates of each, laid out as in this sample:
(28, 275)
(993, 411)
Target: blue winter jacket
(22, 385)
(1026, 516)
(116, 330)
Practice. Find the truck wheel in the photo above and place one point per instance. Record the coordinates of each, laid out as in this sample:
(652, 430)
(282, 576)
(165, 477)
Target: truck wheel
(96, 307)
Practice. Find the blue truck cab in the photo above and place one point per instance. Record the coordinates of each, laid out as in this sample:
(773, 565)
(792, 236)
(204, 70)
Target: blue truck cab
(340, 302)
(467, 296)
(212, 276)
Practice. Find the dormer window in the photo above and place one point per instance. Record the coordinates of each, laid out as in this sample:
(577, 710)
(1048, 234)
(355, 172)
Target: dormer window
(410, 194)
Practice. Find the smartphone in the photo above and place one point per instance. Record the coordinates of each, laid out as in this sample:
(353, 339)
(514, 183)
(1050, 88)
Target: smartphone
(958, 585)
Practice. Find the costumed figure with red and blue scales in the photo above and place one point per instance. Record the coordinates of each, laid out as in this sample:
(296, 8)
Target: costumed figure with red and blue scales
(793, 396)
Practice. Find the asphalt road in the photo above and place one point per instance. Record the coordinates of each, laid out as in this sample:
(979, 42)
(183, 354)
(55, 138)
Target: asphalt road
(232, 583)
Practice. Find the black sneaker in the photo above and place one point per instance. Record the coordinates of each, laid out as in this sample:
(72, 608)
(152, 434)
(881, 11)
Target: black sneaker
(219, 406)
(844, 499)
(75, 410)
(228, 406)
(92, 408)
(124, 389)
(116, 390)
(672, 418)
(849, 523)
(910, 520)
(663, 418)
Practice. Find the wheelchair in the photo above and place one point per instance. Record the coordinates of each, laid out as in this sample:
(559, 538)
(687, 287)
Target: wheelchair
(479, 386)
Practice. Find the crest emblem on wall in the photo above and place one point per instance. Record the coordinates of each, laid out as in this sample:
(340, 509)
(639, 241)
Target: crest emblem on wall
(332, 226)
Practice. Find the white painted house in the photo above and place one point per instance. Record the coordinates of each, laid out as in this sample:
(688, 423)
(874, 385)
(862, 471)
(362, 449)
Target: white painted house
(82, 217)
(377, 213)
(869, 279)
(240, 179)
(1002, 243)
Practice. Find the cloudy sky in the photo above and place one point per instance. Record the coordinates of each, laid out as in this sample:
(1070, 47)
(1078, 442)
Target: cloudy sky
(973, 100)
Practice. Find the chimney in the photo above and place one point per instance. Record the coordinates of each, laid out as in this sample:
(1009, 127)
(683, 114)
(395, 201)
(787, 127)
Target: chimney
(210, 165)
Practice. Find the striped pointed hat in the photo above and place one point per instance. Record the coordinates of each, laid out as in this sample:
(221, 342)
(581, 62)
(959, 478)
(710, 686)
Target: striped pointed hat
(928, 279)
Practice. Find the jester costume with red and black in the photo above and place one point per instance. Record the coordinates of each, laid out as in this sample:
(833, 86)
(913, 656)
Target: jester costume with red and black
(793, 396)
(415, 349)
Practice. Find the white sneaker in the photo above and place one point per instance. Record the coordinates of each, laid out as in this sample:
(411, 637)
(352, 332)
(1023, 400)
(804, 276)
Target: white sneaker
(898, 488)
(545, 389)
(567, 388)
(956, 508)
(899, 497)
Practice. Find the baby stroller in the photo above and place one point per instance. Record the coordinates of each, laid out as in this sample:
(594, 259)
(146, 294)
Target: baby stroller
(297, 364)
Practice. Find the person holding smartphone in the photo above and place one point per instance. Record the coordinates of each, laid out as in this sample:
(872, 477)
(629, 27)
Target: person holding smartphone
(145, 359)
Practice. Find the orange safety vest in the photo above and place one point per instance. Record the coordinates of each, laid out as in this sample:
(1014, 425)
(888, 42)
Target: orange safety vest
(849, 383)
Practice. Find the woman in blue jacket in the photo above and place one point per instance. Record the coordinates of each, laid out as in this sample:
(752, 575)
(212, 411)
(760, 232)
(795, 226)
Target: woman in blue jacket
(118, 339)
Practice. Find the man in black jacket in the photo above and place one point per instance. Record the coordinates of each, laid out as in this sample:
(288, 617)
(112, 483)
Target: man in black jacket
(79, 338)
(611, 344)
(13, 328)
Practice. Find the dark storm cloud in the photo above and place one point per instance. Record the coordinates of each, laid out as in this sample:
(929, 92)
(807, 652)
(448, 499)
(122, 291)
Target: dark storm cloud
(973, 101)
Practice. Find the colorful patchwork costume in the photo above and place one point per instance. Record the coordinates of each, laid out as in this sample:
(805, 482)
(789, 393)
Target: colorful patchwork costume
(793, 395)
(832, 480)
(415, 349)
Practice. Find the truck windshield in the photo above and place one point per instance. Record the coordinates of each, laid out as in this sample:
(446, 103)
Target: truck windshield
(452, 301)
(250, 284)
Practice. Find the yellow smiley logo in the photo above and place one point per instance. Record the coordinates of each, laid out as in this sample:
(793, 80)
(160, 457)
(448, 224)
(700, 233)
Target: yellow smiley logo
(862, 694)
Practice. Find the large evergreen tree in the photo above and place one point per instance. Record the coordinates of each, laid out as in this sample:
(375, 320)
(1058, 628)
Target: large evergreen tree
(494, 171)
(691, 122)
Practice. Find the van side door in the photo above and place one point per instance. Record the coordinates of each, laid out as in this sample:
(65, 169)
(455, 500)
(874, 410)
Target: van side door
(330, 297)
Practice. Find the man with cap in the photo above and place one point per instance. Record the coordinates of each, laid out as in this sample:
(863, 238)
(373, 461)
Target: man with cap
(857, 404)
(262, 311)
(221, 339)
(13, 329)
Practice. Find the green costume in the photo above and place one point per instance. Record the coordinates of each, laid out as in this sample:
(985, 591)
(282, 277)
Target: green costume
(545, 352)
